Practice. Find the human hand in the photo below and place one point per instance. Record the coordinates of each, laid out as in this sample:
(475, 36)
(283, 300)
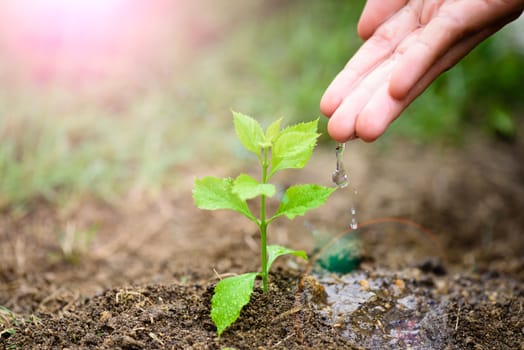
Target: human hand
(408, 44)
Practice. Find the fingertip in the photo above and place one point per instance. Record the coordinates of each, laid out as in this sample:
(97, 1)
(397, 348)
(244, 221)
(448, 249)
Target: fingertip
(337, 91)
(377, 115)
(329, 104)
(365, 28)
(402, 79)
(397, 87)
(369, 21)
(340, 129)
(369, 128)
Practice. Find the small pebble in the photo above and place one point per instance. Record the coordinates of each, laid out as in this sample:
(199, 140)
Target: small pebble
(364, 285)
(400, 285)
(442, 286)
(105, 315)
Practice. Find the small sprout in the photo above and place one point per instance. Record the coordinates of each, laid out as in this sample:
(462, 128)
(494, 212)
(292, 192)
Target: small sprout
(276, 149)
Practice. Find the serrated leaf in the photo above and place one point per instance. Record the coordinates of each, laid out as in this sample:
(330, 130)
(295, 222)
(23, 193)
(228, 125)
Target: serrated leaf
(299, 199)
(274, 251)
(214, 193)
(246, 187)
(231, 295)
(292, 150)
(249, 132)
(272, 131)
(308, 127)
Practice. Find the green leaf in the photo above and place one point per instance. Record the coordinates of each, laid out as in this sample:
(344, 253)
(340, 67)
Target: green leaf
(299, 199)
(231, 294)
(249, 132)
(246, 187)
(307, 127)
(273, 131)
(213, 193)
(292, 150)
(274, 251)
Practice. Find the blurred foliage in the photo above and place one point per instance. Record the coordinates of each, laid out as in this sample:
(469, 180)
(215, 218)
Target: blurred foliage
(280, 62)
(57, 155)
(274, 60)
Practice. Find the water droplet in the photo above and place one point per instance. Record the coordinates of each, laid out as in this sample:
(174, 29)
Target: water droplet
(340, 177)
(354, 224)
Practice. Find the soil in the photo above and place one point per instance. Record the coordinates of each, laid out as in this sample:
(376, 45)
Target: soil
(442, 269)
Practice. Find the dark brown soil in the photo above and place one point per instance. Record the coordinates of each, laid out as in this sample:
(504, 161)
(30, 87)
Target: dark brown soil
(146, 279)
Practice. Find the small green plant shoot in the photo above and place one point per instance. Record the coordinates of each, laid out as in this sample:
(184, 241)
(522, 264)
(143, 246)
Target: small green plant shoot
(277, 149)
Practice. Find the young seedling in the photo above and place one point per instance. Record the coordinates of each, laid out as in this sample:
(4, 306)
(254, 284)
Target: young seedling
(277, 149)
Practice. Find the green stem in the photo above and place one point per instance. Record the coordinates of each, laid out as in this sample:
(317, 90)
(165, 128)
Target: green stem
(263, 252)
(263, 225)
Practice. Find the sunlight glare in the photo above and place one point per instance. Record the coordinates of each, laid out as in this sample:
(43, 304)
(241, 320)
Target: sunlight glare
(79, 40)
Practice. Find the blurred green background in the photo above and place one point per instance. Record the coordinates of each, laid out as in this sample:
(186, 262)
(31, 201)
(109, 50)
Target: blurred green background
(268, 59)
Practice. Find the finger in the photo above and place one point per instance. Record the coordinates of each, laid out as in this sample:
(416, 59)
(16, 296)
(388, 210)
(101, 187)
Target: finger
(417, 58)
(371, 54)
(454, 55)
(382, 109)
(378, 114)
(341, 126)
(441, 33)
(375, 13)
(338, 90)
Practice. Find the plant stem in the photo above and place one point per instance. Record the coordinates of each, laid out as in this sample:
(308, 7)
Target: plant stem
(263, 252)
(263, 224)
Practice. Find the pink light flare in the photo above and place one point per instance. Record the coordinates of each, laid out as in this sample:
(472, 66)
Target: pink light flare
(82, 41)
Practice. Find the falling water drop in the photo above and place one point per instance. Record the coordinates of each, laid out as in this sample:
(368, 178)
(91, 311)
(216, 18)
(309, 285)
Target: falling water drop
(353, 224)
(340, 177)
